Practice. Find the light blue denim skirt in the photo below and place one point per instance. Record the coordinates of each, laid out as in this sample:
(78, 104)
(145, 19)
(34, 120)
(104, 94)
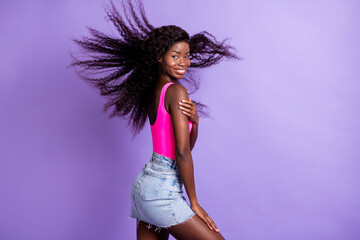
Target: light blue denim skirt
(157, 194)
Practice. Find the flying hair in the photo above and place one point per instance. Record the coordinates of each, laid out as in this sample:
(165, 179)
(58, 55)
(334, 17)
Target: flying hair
(125, 67)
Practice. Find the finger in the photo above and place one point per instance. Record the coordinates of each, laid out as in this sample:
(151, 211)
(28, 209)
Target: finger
(187, 102)
(213, 225)
(206, 221)
(188, 105)
(205, 218)
(186, 110)
(208, 224)
(192, 108)
(190, 111)
(187, 114)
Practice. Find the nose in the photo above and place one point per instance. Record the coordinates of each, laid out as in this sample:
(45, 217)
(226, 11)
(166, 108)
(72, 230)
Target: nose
(181, 61)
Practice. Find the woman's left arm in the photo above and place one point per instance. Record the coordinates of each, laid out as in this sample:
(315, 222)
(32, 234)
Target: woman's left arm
(189, 109)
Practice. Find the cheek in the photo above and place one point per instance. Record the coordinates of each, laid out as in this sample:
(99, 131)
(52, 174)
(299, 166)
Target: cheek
(171, 63)
(166, 64)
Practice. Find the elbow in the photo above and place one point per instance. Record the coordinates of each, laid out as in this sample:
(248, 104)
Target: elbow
(182, 153)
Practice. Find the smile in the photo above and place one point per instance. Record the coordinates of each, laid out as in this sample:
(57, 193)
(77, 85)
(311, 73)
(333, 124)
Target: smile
(180, 71)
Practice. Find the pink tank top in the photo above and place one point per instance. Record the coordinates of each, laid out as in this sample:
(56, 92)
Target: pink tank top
(162, 131)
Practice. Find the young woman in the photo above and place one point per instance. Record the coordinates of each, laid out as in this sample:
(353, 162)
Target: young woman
(144, 65)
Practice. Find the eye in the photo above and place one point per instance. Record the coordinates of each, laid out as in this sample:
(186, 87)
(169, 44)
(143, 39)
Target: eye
(174, 56)
(187, 56)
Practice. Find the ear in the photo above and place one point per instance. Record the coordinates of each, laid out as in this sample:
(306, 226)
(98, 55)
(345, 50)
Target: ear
(160, 60)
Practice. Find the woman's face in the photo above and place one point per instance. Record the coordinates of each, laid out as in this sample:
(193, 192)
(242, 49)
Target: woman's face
(176, 60)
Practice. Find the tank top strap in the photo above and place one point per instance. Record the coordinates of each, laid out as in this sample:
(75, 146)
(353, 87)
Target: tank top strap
(162, 96)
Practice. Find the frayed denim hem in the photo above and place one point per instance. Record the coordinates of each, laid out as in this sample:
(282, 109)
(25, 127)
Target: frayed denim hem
(157, 228)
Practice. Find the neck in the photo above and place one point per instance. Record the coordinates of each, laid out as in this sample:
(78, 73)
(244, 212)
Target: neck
(165, 78)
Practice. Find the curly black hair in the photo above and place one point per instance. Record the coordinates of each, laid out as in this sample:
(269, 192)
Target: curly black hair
(125, 68)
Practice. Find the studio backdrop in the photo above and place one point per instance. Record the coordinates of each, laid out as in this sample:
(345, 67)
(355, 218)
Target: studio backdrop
(277, 159)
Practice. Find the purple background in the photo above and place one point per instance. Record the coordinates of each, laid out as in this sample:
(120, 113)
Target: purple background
(278, 160)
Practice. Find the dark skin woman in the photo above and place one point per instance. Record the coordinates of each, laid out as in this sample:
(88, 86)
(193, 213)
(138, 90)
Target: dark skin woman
(172, 66)
(139, 63)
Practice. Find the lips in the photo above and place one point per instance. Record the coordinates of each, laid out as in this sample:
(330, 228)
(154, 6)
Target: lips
(180, 71)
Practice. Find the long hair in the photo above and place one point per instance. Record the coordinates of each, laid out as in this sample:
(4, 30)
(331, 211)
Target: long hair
(125, 68)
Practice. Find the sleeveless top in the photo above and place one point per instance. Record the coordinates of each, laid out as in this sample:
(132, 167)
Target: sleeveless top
(162, 131)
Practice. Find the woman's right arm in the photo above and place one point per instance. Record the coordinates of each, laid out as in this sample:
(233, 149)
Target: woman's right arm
(174, 94)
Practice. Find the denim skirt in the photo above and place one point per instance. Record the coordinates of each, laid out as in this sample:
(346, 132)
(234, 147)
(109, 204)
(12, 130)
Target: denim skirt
(157, 194)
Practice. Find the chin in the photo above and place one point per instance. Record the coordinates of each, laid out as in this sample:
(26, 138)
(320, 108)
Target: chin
(177, 76)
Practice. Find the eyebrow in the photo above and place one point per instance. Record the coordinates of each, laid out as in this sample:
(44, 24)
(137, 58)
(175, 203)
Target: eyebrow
(180, 52)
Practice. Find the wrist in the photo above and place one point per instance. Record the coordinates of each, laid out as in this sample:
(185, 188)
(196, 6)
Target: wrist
(193, 202)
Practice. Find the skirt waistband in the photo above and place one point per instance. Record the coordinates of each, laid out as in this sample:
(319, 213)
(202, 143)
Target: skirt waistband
(165, 161)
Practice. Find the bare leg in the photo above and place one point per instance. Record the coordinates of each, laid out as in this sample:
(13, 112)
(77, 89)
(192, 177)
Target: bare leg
(145, 233)
(194, 229)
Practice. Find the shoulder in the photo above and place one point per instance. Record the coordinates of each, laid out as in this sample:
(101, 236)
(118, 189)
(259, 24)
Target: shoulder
(174, 94)
(176, 91)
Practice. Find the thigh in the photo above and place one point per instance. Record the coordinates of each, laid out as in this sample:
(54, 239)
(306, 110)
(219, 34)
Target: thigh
(194, 229)
(144, 232)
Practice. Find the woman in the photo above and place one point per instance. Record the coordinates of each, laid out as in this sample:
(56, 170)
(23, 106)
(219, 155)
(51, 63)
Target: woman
(145, 64)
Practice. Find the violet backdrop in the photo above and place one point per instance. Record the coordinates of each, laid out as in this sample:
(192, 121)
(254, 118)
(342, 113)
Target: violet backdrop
(279, 159)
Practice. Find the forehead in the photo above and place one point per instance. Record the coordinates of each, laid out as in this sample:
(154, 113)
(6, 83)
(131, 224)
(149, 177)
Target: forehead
(182, 47)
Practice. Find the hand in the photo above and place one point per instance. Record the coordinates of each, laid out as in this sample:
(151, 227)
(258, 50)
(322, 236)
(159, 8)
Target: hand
(200, 212)
(189, 109)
